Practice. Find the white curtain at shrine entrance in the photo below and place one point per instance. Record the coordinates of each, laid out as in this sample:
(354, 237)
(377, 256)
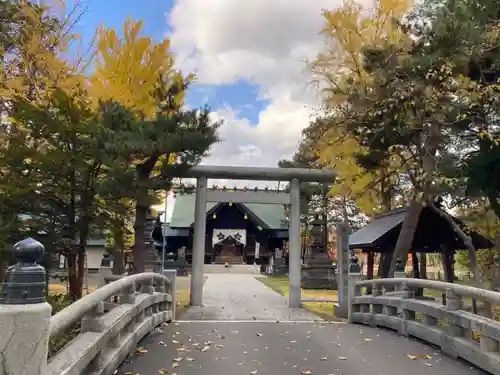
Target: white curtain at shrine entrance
(239, 235)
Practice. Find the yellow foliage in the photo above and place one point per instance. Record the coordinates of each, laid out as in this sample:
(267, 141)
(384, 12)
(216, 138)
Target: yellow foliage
(348, 30)
(38, 67)
(338, 150)
(128, 68)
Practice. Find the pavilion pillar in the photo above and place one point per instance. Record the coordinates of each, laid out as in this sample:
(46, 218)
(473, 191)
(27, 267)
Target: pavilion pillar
(200, 224)
(294, 294)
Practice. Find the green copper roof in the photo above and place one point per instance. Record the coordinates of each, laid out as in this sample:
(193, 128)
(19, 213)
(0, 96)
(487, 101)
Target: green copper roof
(273, 215)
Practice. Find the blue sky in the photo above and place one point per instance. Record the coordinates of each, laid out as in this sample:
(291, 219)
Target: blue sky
(241, 96)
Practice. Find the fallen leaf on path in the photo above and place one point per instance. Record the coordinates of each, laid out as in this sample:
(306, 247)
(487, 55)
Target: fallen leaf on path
(428, 364)
(324, 358)
(189, 359)
(342, 358)
(181, 349)
(178, 359)
(293, 341)
(176, 364)
(259, 334)
(141, 350)
(307, 372)
(205, 348)
(368, 340)
(253, 372)
(413, 357)
(163, 371)
(161, 343)
(175, 342)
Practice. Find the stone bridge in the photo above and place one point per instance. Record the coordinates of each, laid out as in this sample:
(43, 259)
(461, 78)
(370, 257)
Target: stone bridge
(243, 328)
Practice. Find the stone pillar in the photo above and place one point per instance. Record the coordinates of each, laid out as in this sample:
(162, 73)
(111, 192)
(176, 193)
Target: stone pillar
(353, 277)
(200, 224)
(171, 275)
(24, 313)
(280, 268)
(294, 294)
(341, 308)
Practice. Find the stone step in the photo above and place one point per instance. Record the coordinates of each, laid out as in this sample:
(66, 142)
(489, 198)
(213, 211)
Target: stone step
(233, 268)
(230, 259)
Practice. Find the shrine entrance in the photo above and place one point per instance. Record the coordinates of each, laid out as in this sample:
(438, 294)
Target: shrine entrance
(228, 251)
(290, 198)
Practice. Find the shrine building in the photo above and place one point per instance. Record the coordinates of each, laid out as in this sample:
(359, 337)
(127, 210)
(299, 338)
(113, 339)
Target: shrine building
(236, 233)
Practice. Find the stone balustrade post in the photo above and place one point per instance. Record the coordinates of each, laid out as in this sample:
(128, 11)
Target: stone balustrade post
(353, 290)
(453, 303)
(171, 275)
(24, 313)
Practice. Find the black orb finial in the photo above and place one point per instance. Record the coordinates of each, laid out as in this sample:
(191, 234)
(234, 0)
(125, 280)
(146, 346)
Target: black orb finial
(25, 281)
(28, 250)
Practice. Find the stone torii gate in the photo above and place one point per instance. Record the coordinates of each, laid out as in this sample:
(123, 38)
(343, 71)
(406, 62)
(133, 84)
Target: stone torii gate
(293, 175)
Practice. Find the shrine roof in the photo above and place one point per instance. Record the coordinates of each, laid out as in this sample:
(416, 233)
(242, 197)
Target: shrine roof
(273, 215)
(381, 234)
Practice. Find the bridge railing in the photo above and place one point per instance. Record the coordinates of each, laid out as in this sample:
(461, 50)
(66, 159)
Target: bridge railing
(112, 320)
(444, 323)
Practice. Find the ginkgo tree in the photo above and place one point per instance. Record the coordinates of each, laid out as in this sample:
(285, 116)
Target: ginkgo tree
(127, 67)
(162, 139)
(349, 30)
(397, 84)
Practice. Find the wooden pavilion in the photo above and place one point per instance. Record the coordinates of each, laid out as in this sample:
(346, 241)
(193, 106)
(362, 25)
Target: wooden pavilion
(433, 235)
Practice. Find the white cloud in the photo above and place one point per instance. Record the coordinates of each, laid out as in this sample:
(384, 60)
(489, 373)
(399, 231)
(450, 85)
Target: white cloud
(261, 41)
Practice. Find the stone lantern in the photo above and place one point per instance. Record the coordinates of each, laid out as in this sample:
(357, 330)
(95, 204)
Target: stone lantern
(151, 257)
(318, 272)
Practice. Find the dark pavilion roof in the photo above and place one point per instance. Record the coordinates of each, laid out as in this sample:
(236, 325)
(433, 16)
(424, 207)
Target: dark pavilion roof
(382, 233)
(271, 215)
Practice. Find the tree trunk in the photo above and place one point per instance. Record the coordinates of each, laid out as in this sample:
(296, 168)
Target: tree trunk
(118, 262)
(142, 204)
(139, 249)
(74, 279)
(406, 235)
(495, 206)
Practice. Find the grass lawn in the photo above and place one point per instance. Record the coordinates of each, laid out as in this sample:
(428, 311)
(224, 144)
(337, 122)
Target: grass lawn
(182, 301)
(322, 309)
(57, 288)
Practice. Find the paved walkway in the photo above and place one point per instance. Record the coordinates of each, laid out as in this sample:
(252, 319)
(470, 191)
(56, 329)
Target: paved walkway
(243, 297)
(246, 328)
